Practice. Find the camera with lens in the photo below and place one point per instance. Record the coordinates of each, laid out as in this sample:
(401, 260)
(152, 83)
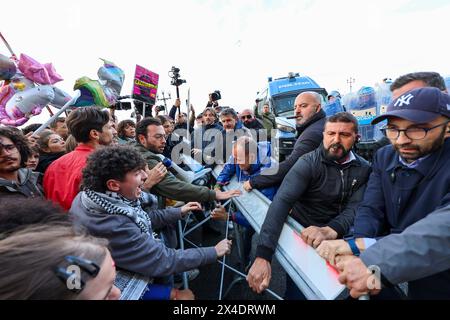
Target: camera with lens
(216, 95)
(159, 108)
(174, 74)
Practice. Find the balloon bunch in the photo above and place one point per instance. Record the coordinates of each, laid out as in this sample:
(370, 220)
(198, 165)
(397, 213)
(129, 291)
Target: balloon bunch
(28, 86)
(103, 92)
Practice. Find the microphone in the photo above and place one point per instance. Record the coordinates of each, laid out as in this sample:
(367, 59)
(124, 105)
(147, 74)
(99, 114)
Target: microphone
(186, 176)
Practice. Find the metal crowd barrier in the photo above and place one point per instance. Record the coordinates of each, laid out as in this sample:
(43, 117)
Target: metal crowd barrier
(311, 273)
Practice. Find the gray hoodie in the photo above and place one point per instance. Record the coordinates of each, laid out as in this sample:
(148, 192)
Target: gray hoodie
(132, 249)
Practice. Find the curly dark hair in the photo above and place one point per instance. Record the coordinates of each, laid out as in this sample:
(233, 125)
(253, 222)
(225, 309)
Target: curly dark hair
(19, 141)
(123, 125)
(110, 163)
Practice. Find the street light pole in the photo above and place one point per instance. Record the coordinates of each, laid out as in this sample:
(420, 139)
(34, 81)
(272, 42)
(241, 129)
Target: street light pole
(164, 100)
(350, 81)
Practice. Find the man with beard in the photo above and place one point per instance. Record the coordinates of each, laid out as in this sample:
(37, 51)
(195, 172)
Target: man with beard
(250, 122)
(150, 142)
(232, 130)
(410, 179)
(203, 138)
(92, 128)
(15, 180)
(321, 191)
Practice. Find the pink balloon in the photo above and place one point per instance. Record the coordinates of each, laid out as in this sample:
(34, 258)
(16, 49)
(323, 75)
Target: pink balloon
(39, 73)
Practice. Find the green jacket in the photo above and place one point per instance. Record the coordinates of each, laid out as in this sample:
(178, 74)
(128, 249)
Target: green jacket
(173, 188)
(268, 120)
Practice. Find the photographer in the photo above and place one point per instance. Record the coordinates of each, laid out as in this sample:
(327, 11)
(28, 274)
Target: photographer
(213, 100)
(181, 118)
(158, 109)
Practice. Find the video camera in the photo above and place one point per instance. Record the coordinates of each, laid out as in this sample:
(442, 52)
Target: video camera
(174, 74)
(122, 105)
(216, 95)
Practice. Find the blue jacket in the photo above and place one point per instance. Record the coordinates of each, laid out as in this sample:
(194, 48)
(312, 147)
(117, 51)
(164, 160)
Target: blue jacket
(396, 196)
(263, 162)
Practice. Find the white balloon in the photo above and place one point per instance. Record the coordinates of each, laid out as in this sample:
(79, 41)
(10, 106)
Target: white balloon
(29, 102)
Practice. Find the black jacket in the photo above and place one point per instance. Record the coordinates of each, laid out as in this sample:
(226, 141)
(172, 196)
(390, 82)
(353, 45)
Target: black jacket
(316, 192)
(310, 137)
(255, 125)
(46, 159)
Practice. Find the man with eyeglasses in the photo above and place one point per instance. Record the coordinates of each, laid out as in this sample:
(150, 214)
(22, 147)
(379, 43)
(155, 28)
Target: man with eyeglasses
(410, 179)
(16, 181)
(151, 141)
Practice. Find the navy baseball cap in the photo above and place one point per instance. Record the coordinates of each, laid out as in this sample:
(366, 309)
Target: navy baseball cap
(418, 105)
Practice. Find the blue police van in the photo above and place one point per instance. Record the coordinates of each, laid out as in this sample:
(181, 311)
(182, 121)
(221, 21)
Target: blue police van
(280, 94)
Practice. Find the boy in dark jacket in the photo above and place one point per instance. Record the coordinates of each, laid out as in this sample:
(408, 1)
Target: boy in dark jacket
(113, 206)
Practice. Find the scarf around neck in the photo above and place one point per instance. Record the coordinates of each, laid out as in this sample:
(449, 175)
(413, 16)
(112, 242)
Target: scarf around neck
(115, 204)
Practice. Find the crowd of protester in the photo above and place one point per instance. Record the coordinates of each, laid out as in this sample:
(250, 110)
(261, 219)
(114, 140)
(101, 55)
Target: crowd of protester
(90, 205)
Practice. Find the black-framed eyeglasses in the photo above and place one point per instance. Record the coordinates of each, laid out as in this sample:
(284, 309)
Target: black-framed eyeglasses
(246, 117)
(412, 133)
(66, 274)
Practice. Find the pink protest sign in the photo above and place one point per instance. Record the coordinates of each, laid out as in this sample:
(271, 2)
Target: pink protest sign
(145, 85)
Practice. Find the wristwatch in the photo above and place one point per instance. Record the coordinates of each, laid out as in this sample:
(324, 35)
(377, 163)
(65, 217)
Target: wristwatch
(352, 243)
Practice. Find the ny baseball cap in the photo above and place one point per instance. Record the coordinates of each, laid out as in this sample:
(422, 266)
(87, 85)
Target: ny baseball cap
(418, 105)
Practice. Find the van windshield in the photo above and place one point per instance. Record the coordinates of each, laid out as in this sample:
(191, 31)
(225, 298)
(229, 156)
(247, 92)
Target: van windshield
(283, 105)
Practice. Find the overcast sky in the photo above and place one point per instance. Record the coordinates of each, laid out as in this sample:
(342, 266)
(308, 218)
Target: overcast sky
(233, 45)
